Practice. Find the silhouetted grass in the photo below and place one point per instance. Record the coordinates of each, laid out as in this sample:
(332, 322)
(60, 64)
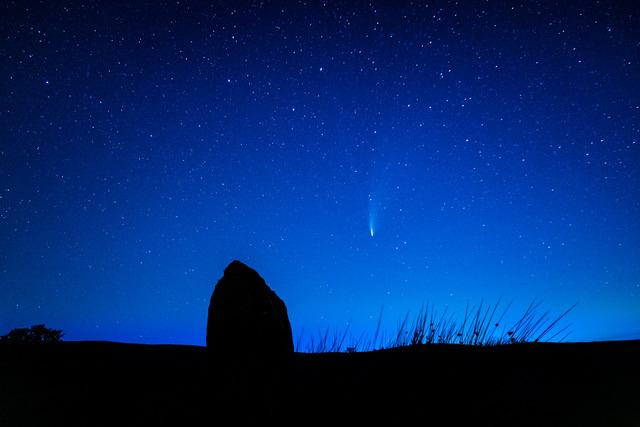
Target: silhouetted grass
(482, 325)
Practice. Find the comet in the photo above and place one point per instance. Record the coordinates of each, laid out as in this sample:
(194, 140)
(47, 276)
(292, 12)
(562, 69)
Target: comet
(371, 217)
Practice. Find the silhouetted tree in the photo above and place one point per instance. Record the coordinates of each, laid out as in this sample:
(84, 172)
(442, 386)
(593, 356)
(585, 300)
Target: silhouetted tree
(37, 334)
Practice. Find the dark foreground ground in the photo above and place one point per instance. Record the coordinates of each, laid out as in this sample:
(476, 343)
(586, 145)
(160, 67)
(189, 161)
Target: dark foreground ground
(101, 383)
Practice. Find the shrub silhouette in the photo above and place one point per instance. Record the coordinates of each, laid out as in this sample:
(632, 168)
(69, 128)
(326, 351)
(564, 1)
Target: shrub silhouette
(37, 334)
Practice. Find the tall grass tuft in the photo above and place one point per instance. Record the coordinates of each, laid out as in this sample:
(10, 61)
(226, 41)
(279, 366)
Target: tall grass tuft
(482, 325)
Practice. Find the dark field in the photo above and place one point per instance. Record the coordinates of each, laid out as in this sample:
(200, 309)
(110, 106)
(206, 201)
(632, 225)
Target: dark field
(102, 383)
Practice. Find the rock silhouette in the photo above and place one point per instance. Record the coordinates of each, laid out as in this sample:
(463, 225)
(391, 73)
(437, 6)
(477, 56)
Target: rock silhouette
(247, 321)
(250, 346)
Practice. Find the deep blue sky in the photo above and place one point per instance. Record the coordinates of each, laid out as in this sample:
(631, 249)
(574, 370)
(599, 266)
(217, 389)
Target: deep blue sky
(493, 149)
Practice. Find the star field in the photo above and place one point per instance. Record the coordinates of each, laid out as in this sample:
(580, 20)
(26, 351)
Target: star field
(356, 154)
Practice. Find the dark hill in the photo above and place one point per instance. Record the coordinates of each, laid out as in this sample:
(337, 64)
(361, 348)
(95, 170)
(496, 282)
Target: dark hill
(103, 383)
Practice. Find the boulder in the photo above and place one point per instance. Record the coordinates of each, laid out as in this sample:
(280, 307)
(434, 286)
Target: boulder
(247, 321)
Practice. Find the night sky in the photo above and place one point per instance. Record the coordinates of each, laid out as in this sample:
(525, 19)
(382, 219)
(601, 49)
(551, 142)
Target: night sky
(358, 155)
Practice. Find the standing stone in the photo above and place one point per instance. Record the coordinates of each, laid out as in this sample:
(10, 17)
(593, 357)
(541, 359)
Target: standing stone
(248, 322)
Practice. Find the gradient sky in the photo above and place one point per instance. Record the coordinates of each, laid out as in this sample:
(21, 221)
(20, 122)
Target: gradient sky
(491, 148)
